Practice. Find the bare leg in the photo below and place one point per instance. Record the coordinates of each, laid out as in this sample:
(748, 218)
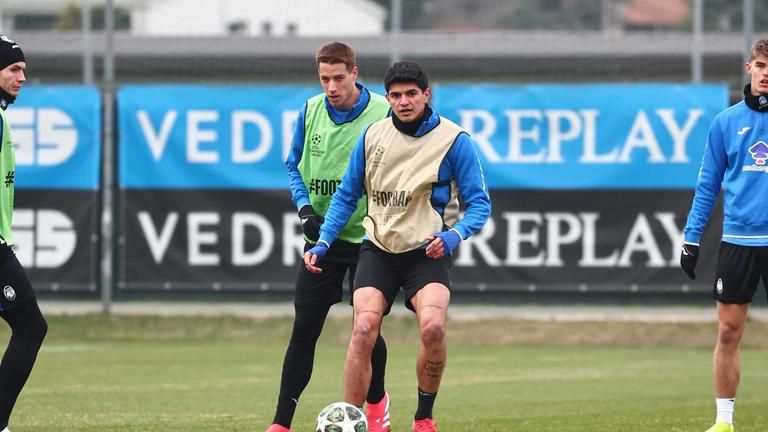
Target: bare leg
(733, 318)
(431, 304)
(369, 304)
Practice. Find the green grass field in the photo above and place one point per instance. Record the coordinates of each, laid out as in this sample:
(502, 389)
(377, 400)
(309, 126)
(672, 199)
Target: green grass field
(222, 374)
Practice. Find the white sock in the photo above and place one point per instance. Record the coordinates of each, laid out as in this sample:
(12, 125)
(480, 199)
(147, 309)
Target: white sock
(5, 430)
(725, 410)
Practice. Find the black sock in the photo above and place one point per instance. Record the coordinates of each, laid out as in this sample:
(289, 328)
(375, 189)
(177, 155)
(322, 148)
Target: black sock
(378, 366)
(299, 359)
(28, 331)
(426, 402)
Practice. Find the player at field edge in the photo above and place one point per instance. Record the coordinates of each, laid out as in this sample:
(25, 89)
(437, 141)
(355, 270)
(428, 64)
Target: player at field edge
(18, 305)
(326, 131)
(413, 165)
(734, 158)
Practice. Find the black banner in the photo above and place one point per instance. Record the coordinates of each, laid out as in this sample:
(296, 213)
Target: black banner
(609, 240)
(208, 239)
(620, 241)
(55, 238)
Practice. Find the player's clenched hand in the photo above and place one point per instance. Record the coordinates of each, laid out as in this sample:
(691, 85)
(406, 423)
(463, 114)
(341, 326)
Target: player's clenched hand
(312, 256)
(688, 258)
(310, 222)
(442, 244)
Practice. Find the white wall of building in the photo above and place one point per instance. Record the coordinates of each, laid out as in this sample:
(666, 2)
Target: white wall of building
(258, 17)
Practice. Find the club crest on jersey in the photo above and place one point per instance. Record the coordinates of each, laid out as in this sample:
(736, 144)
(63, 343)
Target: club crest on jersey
(9, 293)
(759, 152)
(719, 286)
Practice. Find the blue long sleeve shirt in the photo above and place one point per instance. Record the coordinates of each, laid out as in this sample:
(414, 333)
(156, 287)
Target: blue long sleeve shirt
(299, 192)
(736, 158)
(460, 163)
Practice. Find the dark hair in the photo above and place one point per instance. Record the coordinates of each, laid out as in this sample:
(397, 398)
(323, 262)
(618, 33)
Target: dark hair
(760, 47)
(336, 52)
(406, 72)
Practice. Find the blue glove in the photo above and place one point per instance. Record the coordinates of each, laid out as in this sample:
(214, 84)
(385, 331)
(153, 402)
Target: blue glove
(319, 249)
(450, 238)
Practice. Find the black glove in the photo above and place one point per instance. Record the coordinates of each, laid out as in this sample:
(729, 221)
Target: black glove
(310, 222)
(688, 258)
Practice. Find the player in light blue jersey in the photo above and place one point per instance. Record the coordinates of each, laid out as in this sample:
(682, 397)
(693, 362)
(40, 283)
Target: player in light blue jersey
(736, 159)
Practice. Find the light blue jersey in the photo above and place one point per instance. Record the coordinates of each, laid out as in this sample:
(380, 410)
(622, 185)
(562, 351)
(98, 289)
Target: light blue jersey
(736, 158)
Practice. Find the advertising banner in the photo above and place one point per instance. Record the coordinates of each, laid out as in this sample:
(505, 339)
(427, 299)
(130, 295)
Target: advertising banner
(590, 185)
(56, 134)
(197, 137)
(535, 240)
(596, 136)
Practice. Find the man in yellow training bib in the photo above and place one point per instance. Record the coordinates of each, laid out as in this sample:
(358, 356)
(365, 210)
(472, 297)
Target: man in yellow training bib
(413, 166)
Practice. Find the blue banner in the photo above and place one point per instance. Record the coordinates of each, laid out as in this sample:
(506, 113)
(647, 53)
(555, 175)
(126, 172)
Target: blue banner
(596, 136)
(56, 135)
(202, 137)
(602, 136)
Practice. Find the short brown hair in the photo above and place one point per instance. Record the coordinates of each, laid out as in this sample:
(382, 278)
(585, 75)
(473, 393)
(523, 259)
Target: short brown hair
(336, 52)
(759, 48)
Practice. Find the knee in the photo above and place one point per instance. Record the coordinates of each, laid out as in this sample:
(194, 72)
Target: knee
(308, 324)
(305, 334)
(729, 334)
(364, 335)
(433, 333)
(42, 329)
(34, 328)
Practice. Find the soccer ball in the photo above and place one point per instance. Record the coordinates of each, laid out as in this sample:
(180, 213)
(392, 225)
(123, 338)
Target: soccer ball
(341, 417)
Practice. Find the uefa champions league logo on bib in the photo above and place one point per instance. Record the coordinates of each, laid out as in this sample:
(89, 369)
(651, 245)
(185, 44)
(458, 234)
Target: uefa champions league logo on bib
(9, 293)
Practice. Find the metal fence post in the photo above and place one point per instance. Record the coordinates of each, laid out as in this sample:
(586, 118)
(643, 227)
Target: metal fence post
(748, 31)
(85, 18)
(696, 60)
(396, 28)
(107, 216)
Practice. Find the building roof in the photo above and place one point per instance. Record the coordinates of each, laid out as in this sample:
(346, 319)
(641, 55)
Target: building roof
(56, 5)
(656, 12)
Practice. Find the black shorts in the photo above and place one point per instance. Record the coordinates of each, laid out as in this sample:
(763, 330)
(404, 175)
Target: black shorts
(739, 269)
(327, 287)
(388, 272)
(15, 288)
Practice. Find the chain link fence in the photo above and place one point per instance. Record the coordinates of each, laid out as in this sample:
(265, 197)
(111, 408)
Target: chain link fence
(457, 41)
(567, 41)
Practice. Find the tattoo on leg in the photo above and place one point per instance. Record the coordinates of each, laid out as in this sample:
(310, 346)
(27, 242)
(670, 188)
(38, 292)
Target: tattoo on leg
(375, 312)
(432, 306)
(434, 369)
